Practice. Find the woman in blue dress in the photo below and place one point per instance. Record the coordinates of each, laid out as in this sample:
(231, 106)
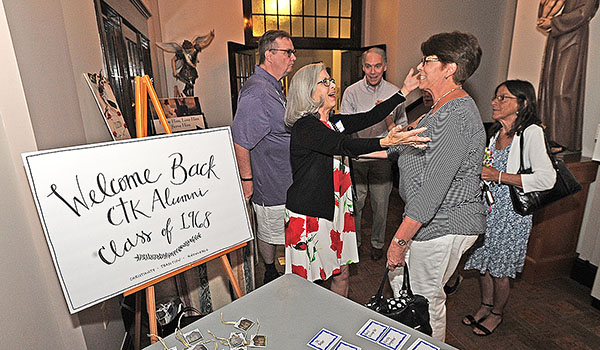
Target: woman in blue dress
(502, 253)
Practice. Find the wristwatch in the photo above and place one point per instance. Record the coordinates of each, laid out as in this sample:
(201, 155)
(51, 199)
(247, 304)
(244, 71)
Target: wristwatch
(400, 242)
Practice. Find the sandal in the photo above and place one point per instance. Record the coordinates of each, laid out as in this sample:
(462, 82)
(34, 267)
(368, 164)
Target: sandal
(449, 290)
(484, 329)
(471, 319)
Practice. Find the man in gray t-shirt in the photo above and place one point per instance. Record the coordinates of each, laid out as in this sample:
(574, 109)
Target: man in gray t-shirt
(373, 175)
(262, 143)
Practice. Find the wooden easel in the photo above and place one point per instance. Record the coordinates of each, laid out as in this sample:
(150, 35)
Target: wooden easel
(143, 89)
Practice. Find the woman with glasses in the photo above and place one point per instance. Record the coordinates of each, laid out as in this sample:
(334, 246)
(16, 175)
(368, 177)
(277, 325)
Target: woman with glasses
(320, 239)
(443, 213)
(502, 253)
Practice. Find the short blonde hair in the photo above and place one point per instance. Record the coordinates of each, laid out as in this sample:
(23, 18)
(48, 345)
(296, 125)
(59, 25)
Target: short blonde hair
(302, 87)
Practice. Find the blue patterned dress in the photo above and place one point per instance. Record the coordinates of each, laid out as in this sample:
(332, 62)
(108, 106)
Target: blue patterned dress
(504, 246)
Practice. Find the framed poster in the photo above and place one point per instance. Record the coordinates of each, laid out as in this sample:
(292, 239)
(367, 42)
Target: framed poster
(119, 214)
(183, 114)
(107, 103)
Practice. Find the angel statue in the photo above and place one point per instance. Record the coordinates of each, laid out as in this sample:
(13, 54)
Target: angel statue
(184, 61)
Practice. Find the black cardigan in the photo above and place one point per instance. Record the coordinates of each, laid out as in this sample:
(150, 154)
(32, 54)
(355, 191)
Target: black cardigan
(312, 148)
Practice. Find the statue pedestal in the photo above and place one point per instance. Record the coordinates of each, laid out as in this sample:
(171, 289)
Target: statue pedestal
(555, 233)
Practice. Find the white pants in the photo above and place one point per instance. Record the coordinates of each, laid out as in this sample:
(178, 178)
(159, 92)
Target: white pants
(270, 223)
(431, 264)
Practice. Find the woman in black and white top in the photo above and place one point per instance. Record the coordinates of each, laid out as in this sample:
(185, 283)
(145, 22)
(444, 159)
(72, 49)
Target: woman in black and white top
(443, 212)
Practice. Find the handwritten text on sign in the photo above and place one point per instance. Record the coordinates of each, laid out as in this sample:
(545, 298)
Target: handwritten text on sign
(117, 215)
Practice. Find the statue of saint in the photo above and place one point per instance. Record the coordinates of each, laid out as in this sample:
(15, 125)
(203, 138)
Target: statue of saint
(186, 56)
(562, 83)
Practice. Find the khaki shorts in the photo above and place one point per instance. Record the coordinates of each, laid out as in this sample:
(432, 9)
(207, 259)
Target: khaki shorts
(270, 223)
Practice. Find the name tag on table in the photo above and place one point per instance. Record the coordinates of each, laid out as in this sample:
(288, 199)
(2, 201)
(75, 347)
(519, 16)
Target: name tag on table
(372, 330)
(342, 345)
(393, 339)
(421, 344)
(324, 340)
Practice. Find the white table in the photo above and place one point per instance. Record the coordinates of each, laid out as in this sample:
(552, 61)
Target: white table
(291, 311)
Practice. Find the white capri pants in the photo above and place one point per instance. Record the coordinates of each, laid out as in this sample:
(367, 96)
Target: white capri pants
(431, 264)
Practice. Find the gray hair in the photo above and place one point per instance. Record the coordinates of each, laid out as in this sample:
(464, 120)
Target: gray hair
(377, 50)
(302, 86)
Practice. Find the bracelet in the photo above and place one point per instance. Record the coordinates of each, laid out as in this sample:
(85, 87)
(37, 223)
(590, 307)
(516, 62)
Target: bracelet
(499, 178)
(247, 179)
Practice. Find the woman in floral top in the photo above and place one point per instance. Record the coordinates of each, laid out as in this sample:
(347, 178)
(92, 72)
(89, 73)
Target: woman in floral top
(320, 234)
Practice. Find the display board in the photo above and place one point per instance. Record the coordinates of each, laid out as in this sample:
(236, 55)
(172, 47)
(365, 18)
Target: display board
(107, 103)
(120, 214)
(183, 114)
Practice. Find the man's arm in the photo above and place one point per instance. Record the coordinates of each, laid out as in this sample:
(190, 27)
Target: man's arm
(389, 123)
(242, 157)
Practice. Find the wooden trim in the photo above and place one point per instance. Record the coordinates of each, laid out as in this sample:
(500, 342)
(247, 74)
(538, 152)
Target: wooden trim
(182, 269)
(141, 6)
(596, 303)
(584, 272)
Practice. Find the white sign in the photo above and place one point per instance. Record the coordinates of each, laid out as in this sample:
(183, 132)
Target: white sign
(117, 215)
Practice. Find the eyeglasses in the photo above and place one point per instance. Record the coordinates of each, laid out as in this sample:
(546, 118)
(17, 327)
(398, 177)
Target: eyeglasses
(289, 52)
(326, 82)
(501, 98)
(429, 59)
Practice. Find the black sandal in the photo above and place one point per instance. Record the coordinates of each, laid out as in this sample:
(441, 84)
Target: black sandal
(484, 329)
(471, 318)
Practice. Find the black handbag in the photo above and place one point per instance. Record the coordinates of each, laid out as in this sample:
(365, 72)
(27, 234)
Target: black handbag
(565, 185)
(409, 309)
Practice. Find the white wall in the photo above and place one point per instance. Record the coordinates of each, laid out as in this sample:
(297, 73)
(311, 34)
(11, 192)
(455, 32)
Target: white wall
(404, 25)
(181, 19)
(31, 298)
(525, 63)
(48, 105)
(589, 240)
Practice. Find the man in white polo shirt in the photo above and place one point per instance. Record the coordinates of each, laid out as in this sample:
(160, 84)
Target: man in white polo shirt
(373, 176)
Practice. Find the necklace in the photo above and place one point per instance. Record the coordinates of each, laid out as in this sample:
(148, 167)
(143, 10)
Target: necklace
(444, 95)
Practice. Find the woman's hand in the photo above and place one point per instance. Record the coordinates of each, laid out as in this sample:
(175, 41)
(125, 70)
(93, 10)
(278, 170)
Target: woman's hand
(492, 174)
(411, 82)
(396, 255)
(398, 137)
(489, 173)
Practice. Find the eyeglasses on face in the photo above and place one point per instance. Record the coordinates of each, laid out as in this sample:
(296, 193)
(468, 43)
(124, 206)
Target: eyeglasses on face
(289, 52)
(429, 59)
(326, 82)
(501, 98)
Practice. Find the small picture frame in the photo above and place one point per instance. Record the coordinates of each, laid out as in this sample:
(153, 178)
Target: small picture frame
(258, 341)
(198, 347)
(236, 340)
(244, 324)
(193, 336)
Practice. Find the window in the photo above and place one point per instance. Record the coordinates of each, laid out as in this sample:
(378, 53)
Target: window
(311, 23)
(126, 55)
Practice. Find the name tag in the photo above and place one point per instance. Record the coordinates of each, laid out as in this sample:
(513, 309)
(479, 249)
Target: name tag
(340, 126)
